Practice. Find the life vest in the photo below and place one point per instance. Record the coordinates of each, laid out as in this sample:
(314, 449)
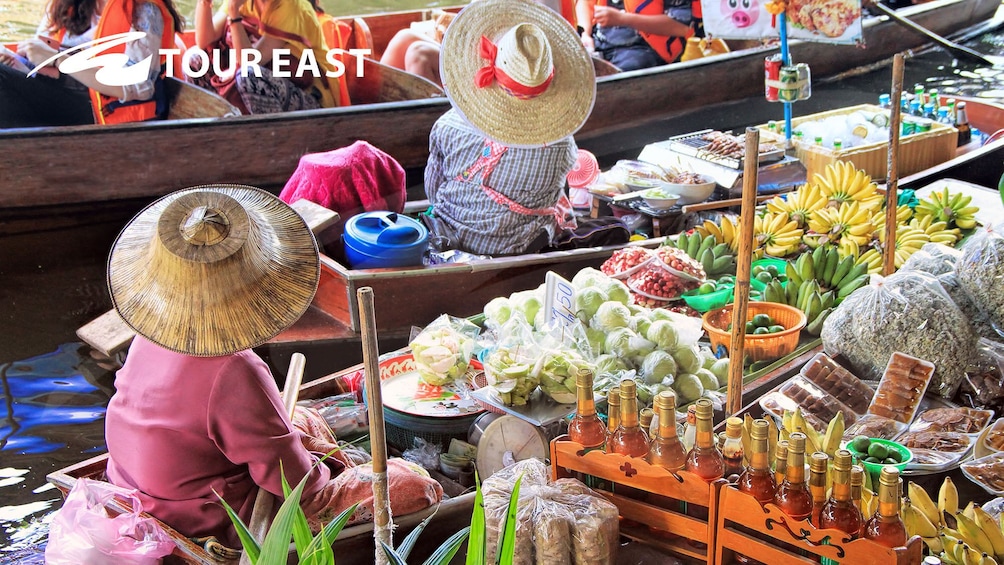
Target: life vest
(336, 36)
(568, 11)
(669, 48)
(117, 17)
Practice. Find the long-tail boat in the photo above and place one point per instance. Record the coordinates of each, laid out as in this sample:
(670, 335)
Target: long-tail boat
(56, 172)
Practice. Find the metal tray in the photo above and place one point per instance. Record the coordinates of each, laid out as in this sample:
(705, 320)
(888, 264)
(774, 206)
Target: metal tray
(693, 145)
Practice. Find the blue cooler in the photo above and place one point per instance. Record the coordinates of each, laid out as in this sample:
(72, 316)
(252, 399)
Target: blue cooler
(376, 240)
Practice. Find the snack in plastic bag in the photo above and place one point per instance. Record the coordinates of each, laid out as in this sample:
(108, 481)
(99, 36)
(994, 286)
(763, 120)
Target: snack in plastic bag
(984, 384)
(443, 349)
(82, 531)
(933, 259)
(908, 312)
(981, 272)
(596, 526)
(978, 319)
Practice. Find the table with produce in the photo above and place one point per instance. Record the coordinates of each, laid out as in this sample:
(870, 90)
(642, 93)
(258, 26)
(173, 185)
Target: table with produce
(899, 381)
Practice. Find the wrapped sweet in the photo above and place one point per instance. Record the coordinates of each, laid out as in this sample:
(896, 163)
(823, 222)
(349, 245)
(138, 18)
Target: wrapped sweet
(442, 351)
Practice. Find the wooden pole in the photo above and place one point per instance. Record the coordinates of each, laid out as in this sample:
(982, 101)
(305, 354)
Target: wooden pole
(891, 198)
(378, 440)
(734, 396)
(261, 513)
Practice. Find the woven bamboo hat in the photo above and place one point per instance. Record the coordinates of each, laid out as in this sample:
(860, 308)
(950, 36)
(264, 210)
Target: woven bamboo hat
(518, 72)
(212, 270)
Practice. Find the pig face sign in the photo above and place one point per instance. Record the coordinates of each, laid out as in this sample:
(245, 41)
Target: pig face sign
(742, 13)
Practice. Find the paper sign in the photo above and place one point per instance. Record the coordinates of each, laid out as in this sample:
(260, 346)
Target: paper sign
(826, 21)
(559, 300)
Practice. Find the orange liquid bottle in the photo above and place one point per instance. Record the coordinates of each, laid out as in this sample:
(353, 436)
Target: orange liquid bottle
(613, 412)
(586, 428)
(629, 439)
(705, 460)
(732, 448)
(857, 483)
(666, 449)
(793, 496)
(840, 512)
(886, 527)
(757, 480)
(817, 483)
(780, 462)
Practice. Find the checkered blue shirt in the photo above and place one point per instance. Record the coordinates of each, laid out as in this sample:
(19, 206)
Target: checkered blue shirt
(465, 215)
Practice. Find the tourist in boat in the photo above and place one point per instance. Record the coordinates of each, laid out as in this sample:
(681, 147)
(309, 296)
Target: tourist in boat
(203, 275)
(418, 52)
(521, 84)
(265, 27)
(53, 98)
(638, 34)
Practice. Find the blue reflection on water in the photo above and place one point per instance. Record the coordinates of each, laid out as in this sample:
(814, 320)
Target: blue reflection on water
(43, 391)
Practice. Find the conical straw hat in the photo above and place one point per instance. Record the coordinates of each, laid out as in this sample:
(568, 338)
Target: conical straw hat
(212, 270)
(555, 113)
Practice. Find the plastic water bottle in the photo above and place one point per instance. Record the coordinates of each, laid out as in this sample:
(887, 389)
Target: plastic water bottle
(943, 116)
(915, 108)
(885, 101)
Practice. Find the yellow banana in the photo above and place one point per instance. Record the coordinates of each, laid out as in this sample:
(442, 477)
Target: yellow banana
(934, 545)
(969, 510)
(916, 522)
(991, 529)
(988, 560)
(948, 498)
(973, 535)
(922, 501)
(834, 434)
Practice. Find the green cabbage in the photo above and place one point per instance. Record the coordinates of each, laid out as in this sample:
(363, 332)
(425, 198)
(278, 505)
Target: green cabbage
(663, 333)
(641, 324)
(611, 315)
(526, 303)
(688, 359)
(587, 302)
(708, 379)
(498, 311)
(721, 371)
(618, 342)
(589, 278)
(618, 291)
(688, 387)
(657, 366)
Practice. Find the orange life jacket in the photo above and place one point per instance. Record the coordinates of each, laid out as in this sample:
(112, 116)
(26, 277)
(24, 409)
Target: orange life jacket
(669, 48)
(117, 17)
(568, 11)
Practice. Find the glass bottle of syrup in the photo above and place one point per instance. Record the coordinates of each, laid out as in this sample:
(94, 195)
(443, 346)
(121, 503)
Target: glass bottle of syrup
(586, 427)
(780, 462)
(840, 512)
(705, 460)
(818, 463)
(666, 449)
(732, 448)
(613, 412)
(690, 428)
(857, 483)
(885, 526)
(758, 480)
(645, 417)
(793, 496)
(629, 439)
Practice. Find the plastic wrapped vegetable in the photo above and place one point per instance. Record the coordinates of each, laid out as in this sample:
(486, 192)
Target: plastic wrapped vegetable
(510, 362)
(907, 312)
(556, 370)
(978, 319)
(497, 312)
(657, 367)
(611, 315)
(981, 272)
(443, 349)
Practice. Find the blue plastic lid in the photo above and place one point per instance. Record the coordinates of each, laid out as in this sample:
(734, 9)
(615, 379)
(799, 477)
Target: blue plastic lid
(385, 233)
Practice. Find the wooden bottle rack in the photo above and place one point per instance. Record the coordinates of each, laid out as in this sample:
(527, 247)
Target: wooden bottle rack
(656, 521)
(766, 534)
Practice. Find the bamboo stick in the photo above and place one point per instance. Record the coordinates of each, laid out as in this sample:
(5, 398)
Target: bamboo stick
(382, 526)
(261, 513)
(891, 198)
(734, 395)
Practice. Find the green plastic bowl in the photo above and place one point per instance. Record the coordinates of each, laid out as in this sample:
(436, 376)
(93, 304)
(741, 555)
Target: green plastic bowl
(778, 263)
(875, 469)
(704, 302)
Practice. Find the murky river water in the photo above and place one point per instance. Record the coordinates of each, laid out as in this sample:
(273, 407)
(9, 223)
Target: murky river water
(54, 393)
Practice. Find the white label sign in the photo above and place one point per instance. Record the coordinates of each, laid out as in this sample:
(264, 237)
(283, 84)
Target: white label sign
(559, 300)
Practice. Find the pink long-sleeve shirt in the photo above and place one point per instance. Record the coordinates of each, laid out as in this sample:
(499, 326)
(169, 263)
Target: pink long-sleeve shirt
(179, 428)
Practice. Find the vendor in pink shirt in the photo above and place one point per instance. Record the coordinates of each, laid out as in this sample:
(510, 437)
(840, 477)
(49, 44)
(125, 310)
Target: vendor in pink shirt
(204, 275)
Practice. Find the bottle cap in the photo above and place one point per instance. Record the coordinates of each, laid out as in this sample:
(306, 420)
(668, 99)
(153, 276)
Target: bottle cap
(818, 462)
(665, 400)
(782, 449)
(614, 396)
(628, 390)
(796, 443)
(584, 378)
(734, 427)
(645, 417)
(704, 409)
(857, 475)
(889, 476)
(760, 427)
(842, 460)
(691, 414)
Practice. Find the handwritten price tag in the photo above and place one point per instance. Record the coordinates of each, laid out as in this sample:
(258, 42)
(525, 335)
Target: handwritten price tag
(559, 300)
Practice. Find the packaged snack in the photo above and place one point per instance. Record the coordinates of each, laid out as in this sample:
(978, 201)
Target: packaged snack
(902, 387)
(981, 272)
(988, 472)
(994, 439)
(962, 420)
(814, 401)
(953, 442)
(833, 378)
(874, 426)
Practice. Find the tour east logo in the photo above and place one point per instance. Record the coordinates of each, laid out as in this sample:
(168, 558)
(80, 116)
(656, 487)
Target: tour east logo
(113, 69)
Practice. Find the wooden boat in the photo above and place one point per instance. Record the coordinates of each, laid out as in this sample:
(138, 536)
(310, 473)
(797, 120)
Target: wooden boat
(48, 171)
(355, 543)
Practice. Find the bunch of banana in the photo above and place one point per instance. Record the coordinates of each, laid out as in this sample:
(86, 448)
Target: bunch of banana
(937, 232)
(727, 232)
(904, 214)
(849, 227)
(841, 182)
(871, 260)
(716, 258)
(776, 234)
(828, 442)
(967, 537)
(909, 240)
(799, 205)
(953, 209)
(817, 282)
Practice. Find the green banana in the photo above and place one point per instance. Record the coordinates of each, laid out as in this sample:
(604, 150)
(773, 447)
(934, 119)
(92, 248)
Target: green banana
(791, 271)
(774, 292)
(791, 293)
(832, 258)
(828, 298)
(819, 257)
(706, 244)
(692, 245)
(850, 287)
(813, 306)
(682, 240)
(855, 272)
(720, 249)
(841, 271)
(722, 264)
(815, 327)
(707, 260)
(808, 271)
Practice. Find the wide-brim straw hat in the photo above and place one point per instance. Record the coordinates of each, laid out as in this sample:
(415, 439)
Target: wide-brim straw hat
(213, 270)
(549, 117)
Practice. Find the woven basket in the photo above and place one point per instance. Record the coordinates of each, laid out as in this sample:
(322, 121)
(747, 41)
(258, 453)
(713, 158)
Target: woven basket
(764, 347)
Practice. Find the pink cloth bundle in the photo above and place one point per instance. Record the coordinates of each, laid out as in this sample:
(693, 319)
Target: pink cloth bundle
(354, 179)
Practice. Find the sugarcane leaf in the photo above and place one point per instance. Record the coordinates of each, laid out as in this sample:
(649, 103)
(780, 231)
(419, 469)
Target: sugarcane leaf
(392, 556)
(275, 547)
(507, 544)
(327, 535)
(404, 549)
(476, 543)
(444, 553)
(250, 544)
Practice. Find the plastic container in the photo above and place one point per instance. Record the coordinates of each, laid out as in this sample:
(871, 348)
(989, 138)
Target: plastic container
(875, 469)
(902, 388)
(704, 302)
(376, 240)
(988, 472)
(764, 347)
(840, 383)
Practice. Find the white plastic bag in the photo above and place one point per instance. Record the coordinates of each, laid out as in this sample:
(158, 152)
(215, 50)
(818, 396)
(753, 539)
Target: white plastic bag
(84, 533)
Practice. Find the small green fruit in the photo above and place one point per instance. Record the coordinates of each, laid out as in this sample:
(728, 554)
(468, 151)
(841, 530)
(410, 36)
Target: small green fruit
(878, 451)
(706, 288)
(761, 331)
(774, 329)
(762, 321)
(861, 444)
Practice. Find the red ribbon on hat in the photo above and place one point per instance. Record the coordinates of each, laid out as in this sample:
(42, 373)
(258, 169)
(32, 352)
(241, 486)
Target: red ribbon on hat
(489, 73)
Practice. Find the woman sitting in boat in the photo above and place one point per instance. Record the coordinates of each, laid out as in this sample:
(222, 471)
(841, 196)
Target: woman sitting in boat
(638, 34)
(250, 28)
(521, 84)
(50, 97)
(203, 275)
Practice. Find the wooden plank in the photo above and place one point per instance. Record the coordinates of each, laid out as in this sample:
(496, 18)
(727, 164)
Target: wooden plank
(108, 334)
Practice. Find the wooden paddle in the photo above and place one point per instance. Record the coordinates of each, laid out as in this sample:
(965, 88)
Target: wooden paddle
(261, 514)
(960, 51)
